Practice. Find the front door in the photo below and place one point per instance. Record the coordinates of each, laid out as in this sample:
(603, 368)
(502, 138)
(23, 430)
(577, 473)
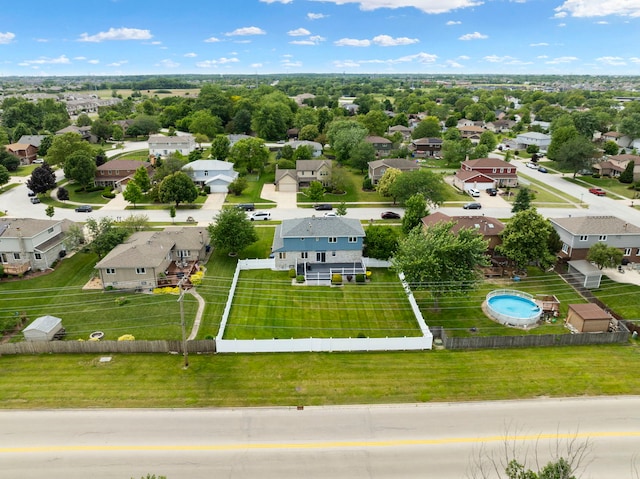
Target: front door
(321, 257)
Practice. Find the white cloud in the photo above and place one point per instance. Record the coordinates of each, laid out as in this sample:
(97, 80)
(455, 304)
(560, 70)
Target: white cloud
(6, 37)
(246, 31)
(562, 24)
(560, 15)
(506, 60)
(215, 63)
(157, 42)
(316, 16)
(79, 59)
(426, 6)
(453, 64)
(346, 64)
(464, 57)
(117, 34)
(473, 36)
(602, 22)
(600, 8)
(256, 65)
(61, 60)
(190, 55)
(352, 42)
(634, 60)
(39, 40)
(453, 22)
(541, 44)
(118, 64)
(387, 41)
(212, 40)
(168, 64)
(558, 60)
(542, 57)
(299, 32)
(421, 57)
(290, 64)
(94, 62)
(612, 61)
(312, 40)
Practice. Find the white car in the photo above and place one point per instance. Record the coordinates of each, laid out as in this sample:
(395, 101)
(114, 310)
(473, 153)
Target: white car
(532, 165)
(260, 215)
(38, 161)
(330, 214)
(475, 193)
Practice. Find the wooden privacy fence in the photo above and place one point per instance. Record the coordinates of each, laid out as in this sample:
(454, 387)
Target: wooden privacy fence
(107, 347)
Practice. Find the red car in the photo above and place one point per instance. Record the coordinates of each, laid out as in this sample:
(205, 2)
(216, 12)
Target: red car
(597, 191)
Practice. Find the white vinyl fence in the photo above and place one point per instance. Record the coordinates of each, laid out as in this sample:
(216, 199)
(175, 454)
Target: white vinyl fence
(318, 344)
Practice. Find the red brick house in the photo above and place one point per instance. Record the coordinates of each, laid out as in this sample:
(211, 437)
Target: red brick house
(480, 173)
(117, 173)
(25, 151)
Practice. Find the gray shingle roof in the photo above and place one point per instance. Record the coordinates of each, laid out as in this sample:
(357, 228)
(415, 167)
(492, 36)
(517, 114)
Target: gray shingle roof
(596, 225)
(25, 227)
(321, 226)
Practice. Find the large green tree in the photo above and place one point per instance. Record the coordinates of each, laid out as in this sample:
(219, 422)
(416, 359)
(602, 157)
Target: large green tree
(424, 182)
(141, 178)
(177, 188)
(204, 122)
(220, 147)
(64, 146)
(415, 210)
(81, 168)
(232, 231)
(385, 183)
(525, 240)
(249, 153)
(440, 261)
(427, 128)
(132, 193)
(344, 136)
(273, 116)
(380, 242)
(361, 155)
(4, 175)
(522, 201)
(559, 137)
(105, 234)
(575, 154)
(604, 256)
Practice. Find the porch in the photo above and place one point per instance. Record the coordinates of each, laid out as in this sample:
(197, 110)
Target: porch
(176, 271)
(323, 271)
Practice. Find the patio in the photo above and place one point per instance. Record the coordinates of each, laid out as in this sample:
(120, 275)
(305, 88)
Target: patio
(323, 271)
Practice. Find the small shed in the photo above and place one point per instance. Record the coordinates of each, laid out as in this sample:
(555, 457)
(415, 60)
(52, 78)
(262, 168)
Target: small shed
(588, 275)
(43, 328)
(588, 318)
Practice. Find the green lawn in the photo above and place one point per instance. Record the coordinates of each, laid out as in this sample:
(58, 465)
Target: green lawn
(283, 379)
(253, 191)
(460, 312)
(617, 296)
(353, 194)
(609, 184)
(546, 196)
(266, 305)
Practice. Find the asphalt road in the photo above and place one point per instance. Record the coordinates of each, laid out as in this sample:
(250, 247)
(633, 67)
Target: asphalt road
(399, 441)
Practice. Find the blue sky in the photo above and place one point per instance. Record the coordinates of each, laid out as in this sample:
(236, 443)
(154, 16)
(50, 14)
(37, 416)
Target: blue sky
(125, 37)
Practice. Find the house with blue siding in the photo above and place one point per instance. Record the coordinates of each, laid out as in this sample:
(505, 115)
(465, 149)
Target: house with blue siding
(318, 246)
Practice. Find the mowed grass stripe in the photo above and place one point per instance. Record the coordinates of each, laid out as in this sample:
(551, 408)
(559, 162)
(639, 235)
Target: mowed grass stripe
(266, 305)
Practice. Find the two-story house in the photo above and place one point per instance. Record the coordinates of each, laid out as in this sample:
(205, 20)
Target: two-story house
(162, 145)
(405, 131)
(83, 131)
(485, 173)
(317, 246)
(426, 147)
(306, 171)
(25, 151)
(471, 133)
(117, 173)
(490, 228)
(579, 233)
(377, 168)
(28, 244)
(149, 259)
(541, 140)
(215, 174)
(380, 144)
(623, 141)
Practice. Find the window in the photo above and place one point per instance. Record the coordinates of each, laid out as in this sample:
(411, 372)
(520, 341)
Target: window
(110, 270)
(304, 255)
(183, 253)
(565, 248)
(16, 255)
(282, 255)
(501, 170)
(638, 252)
(627, 251)
(353, 239)
(206, 173)
(602, 238)
(333, 253)
(584, 237)
(37, 255)
(494, 170)
(50, 230)
(141, 271)
(333, 239)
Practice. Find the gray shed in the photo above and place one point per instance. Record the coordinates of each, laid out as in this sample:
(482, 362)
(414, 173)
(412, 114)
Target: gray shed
(42, 328)
(586, 273)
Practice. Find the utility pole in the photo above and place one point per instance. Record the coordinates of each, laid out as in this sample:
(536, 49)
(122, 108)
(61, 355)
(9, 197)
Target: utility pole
(182, 325)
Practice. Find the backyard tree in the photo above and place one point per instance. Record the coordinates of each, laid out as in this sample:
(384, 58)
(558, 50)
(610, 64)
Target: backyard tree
(343, 136)
(525, 240)
(9, 161)
(141, 178)
(385, 183)
(522, 201)
(102, 129)
(64, 146)
(338, 180)
(415, 210)
(361, 155)
(74, 237)
(576, 153)
(308, 132)
(42, 179)
(81, 168)
(560, 136)
(273, 116)
(177, 188)
(488, 138)
(610, 147)
(315, 192)
(303, 152)
(133, 193)
(220, 147)
(627, 175)
(105, 235)
(238, 185)
(427, 128)
(232, 231)
(424, 182)
(203, 122)
(380, 242)
(62, 194)
(249, 153)
(604, 256)
(440, 261)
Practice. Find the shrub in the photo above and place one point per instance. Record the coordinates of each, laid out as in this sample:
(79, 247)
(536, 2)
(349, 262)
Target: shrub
(300, 278)
(595, 175)
(292, 273)
(336, 278)
(360, 278)
(207, 189)
(127, 337)
(367, 184)
(121, 300)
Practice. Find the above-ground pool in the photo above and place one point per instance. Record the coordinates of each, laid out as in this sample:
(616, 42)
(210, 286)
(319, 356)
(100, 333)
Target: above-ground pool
(513, 308)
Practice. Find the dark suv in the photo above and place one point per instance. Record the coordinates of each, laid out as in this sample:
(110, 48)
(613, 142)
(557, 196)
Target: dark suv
(246, 206)
(323, 207)
(84, 209)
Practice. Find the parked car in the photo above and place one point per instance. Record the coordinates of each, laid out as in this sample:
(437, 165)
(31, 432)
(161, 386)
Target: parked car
(35, 200)
(542, 169)
(323, 207)
(260, 215)
(472, 206)
(330, 214)
(491, 191)
(532, 165)
(473, 192)
(597, 191)
(30, 193)
(38, 161)
(389, 215)
(84, 209)
(246, 206)
(585, 172)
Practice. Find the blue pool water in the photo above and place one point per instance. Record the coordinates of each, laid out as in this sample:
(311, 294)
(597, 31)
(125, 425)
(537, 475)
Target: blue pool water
(514, 306)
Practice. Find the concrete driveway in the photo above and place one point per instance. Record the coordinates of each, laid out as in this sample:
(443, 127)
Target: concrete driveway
(284, 199)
